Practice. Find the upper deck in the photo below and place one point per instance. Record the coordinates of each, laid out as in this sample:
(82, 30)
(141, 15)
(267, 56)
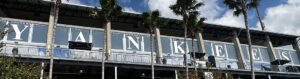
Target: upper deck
(130, 44)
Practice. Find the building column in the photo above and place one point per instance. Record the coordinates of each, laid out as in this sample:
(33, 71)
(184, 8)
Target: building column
(271, 53)
(240, 55)
(158, 46)
(116, 72)
(201, 47)
(296, 46)
(176, 74)
(108, 41)
(42, 70)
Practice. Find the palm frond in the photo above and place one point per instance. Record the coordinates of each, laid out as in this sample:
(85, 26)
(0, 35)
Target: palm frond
(237, 12)
(253, 4)
(110, 8)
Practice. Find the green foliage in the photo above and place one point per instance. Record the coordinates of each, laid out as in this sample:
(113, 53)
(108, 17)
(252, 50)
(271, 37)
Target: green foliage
(151, 20)
(237, 5)
(182, 7)
(195, 25)
(10, 68)
(109, 9)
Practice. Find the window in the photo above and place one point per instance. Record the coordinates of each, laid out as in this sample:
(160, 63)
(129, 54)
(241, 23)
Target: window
(61, 36)
(208, 49)
(245, 51)
(80, 35)
(231, 51)
(165, 43)
(98, 37)
(265, 55)
(191, 46)
(39, 34)
(147, 43)
(295, 58)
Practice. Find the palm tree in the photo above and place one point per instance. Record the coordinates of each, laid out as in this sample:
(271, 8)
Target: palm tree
(51, 33)
(194, 27)
(110, 8)
(255, 4)
(183, 8)
(240, 7)
(150, 21)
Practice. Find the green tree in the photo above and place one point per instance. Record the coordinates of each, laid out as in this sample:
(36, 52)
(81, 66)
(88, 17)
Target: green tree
(255, 4)
(11, 68)
(194, 26)
(51, 33)
(183, 8)
(109, 9)
(241, 7)
(150, 21)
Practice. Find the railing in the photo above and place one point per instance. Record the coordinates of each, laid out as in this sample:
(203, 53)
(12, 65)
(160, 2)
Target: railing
(63, 53)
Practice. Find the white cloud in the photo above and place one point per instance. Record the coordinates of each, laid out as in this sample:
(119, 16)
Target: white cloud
(211, 10)
(284, 18)
(229, 19)
(163, 7)
(129, 9)
(294, 1)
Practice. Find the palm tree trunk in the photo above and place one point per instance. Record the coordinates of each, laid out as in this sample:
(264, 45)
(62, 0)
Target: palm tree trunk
(258, 16)
(104, 48)
(248, 38)
(151, 47)
(58, 2)
(185, 46)
(194, 57)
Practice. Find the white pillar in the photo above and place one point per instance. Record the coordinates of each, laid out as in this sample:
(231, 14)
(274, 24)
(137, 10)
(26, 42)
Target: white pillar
(201, 47)
(269, 77)
(271, 53)
(296, 46)
(239, 52)
(42, 71)
(158, 46)
(108, 41)
(116, 72)
(176, 76)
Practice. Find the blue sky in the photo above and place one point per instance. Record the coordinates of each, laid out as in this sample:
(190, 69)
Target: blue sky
(281, 16)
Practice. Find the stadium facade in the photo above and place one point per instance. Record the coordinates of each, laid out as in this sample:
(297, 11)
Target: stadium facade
(129, 56)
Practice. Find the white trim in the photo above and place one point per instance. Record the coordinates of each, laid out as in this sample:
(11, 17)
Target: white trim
(30, 34)
(5, 29)
(91, 36)
(70, 34)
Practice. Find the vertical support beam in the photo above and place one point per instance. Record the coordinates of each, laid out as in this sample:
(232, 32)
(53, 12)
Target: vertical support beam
(296, 46)
(42, 70)
(226, 75)
(269, 77)
(116, 72)
(158, 46)
(108, 41)
(201, 47)
(239, 52)
(271, 52)
(176, 75)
